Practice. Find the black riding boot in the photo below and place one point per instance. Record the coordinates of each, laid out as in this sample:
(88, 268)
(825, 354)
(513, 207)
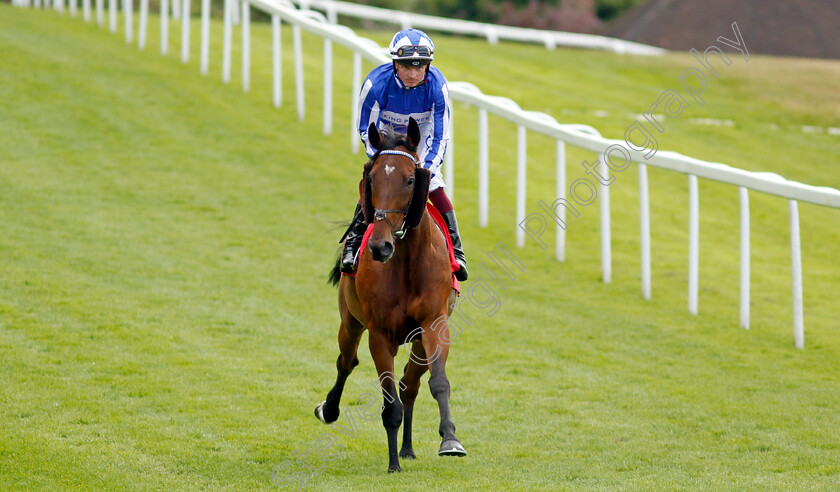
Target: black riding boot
(354, 236)
(452, 225)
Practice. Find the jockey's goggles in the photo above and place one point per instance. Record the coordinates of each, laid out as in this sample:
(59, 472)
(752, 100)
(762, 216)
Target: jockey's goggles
(412, 51)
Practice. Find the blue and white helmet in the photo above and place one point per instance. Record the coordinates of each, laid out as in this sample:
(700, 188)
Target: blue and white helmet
(412, 45)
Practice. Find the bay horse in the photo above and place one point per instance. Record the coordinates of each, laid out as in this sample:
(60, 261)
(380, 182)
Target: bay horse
(402, 294)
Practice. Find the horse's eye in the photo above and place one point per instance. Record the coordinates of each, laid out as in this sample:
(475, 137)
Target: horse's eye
(410, 181)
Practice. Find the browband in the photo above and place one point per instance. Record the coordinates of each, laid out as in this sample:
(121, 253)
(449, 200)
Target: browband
(400, 152)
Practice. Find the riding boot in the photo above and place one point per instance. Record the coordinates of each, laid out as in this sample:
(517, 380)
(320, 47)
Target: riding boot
(452, 225)
(353, 238)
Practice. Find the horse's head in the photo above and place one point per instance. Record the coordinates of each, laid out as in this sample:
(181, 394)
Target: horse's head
(395, 189)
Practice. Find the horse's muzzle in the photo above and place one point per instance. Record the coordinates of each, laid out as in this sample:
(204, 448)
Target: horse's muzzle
(382, 252)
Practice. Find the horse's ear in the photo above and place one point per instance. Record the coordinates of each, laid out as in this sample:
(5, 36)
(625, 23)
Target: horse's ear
(373, 136)
(413, 137)
(367, 201)
(418, 200)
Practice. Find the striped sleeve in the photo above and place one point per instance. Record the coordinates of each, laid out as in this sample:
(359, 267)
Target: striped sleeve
(368, 113)
(440, 129)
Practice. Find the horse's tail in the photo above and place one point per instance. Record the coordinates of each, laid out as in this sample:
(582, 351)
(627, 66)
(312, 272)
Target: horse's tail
(335, 273)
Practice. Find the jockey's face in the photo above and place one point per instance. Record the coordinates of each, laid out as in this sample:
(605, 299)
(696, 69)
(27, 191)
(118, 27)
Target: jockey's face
(411, 76)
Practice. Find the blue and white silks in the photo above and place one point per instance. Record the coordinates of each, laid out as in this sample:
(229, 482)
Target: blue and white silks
(386, 101)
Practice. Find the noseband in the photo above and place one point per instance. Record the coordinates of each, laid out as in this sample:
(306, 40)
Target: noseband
(380, 214)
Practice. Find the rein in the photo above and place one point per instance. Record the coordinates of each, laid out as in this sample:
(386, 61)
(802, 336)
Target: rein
(380, 214)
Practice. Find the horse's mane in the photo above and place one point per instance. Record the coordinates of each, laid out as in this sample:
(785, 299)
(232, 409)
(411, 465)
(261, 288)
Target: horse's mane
(391, 139)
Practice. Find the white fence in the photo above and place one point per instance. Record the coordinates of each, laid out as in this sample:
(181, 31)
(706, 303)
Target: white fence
(493, 32)
(578, 135)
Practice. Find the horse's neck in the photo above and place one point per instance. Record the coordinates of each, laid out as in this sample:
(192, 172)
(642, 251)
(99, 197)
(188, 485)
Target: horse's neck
(421, 234)
(420, 240)
(423, 256)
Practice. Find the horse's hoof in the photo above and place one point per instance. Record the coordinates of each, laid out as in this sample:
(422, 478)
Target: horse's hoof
(407, 453)
(452, 447)
(319, 412)
(394, 469)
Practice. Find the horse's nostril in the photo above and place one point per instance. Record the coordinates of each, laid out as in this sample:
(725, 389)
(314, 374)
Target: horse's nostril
(382, 252)
(387, 249)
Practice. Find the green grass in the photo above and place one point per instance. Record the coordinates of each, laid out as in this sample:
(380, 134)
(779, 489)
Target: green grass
(165, 321)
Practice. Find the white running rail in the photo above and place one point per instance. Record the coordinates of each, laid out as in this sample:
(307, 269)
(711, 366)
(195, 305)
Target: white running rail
(492, 32)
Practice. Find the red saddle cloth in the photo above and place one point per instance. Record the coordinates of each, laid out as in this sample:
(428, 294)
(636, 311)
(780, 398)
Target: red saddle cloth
(453, 264)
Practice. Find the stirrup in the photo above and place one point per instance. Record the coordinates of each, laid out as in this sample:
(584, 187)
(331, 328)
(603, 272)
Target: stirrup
(352, 241)
(348, 267)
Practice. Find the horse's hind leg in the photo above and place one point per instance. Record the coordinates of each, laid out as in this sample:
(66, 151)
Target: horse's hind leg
(409, 386)
(438, 344)
(349, 335)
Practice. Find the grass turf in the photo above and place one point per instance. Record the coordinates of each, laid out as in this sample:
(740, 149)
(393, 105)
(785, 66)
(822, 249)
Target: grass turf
(165, 324)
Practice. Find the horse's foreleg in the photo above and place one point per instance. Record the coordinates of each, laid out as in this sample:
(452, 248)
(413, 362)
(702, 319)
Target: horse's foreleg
(392, 411)
(349, 335)
(437, 343)
(409, 386)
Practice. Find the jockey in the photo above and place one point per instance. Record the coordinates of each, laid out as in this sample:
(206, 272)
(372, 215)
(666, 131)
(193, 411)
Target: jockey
(408, 87)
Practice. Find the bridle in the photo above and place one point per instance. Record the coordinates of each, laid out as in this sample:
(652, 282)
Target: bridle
(380, 214)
